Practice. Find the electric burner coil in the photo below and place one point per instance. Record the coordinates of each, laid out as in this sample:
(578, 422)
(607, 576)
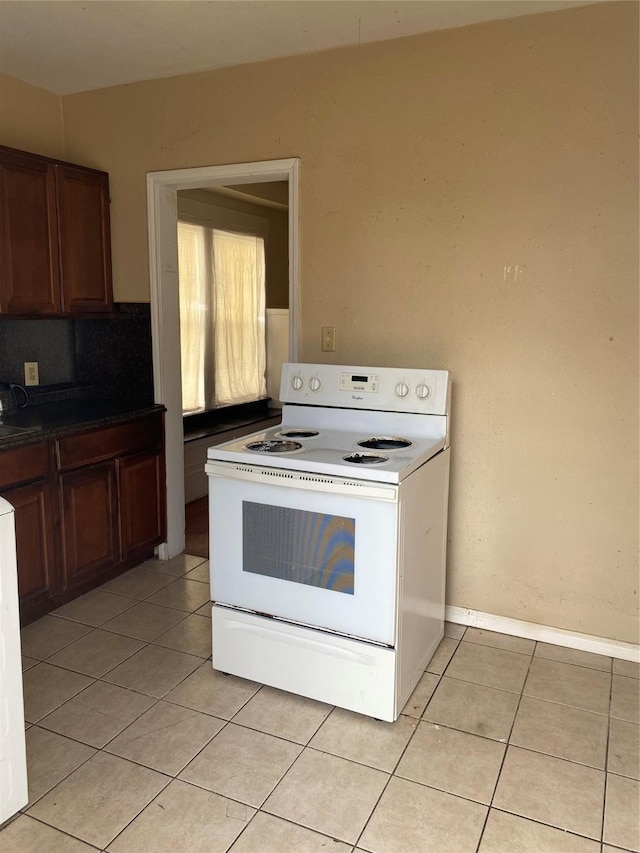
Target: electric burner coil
(385, 442)
(273, 446)
(365, 458)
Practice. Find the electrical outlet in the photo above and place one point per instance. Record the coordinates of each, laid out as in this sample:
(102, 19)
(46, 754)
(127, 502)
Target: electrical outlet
(31, 373)
(328, 339)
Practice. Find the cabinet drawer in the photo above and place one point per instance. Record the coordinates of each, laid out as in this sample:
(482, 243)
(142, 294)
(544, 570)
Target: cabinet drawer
(23, 464)
(109, 443)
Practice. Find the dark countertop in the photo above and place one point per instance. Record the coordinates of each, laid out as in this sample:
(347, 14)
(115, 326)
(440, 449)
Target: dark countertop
(219, 430)
(54, 419)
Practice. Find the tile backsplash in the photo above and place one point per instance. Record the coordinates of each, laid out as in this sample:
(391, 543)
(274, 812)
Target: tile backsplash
(49, 342)
(106, 358)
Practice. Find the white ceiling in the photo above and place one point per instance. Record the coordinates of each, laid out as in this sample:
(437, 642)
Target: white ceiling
(70, 46)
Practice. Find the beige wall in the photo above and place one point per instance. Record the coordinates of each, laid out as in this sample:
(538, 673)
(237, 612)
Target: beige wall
(428, 165)
(30, 118)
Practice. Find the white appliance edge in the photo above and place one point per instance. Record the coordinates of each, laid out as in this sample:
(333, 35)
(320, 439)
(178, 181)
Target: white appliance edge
(13, 760)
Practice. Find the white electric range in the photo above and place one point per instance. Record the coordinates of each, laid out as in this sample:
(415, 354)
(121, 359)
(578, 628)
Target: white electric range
(328, 537)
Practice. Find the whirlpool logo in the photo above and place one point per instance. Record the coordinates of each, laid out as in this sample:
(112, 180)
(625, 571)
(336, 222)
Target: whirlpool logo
(357, 397)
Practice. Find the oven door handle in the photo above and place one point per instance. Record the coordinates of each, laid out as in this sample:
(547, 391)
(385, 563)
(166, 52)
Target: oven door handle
(307, 482)
(333, 645)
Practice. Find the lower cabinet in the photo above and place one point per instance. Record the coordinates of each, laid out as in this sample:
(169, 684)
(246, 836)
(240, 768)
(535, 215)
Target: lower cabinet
(89, 513)
(35, 545)
(26, 482)
(142, 502)
(94, 506)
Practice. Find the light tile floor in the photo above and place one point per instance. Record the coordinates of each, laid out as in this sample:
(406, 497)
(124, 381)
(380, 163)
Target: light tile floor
(135, 745)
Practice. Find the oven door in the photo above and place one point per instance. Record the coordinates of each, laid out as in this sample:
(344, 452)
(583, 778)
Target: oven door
(315, 550)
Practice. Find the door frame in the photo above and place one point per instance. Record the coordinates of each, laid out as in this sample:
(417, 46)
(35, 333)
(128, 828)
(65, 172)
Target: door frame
(162, 213)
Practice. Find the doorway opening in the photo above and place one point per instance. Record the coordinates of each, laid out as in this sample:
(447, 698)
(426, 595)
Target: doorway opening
(162, 199)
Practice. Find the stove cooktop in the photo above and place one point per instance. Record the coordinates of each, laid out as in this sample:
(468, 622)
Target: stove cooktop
(384, 458)
(376, 424)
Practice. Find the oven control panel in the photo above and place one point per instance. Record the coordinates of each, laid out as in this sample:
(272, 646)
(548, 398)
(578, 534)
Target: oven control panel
(388, 389)
(359, 382)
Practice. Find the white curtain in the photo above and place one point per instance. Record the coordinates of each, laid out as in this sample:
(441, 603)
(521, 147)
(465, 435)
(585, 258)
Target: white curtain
(222, 317)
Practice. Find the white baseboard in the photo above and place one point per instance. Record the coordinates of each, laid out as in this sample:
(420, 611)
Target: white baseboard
(543, 633)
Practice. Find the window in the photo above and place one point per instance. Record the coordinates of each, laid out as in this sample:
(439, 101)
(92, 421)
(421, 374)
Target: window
(222, 317)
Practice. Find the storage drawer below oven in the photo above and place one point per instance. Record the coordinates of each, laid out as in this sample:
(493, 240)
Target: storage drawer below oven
(326, 667)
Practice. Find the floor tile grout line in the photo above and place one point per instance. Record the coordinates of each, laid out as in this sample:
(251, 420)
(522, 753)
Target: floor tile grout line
(64, 701)
(542, 656)
(244, 829)
(260, 810)
(506, 749)
(193, 757)
(496, 648)
(539, 822)
(30, 805)
(271, 734)
(413, 734)
(529, 695)
(103, 627)
(559, 758)
(137, 815)
(606, 762)
(166, 692)
(135, 598)
(139, 598)
(107, 671)
(109, 683)
(62, 648)
(57, 615)
(389, 776)
(95, 749)
(50, 826)
(102, 748)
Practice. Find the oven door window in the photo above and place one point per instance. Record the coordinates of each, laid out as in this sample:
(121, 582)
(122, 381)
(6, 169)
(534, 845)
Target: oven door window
(312, 548)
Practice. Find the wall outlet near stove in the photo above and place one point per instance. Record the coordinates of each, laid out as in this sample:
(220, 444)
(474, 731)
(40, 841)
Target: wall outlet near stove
(328, 339)
(31, 373)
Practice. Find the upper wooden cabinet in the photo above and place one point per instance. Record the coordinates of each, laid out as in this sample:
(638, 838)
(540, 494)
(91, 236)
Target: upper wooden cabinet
(55, 241)
(29, 265)
(85, 240)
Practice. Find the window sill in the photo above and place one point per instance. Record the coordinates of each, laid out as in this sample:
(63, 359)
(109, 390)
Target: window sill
(220, 423)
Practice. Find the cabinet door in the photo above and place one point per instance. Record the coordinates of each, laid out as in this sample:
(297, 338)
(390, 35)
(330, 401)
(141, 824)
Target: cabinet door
(35, 547)
(90, 540)
(85, 240)
(142, 503)
(29, 276)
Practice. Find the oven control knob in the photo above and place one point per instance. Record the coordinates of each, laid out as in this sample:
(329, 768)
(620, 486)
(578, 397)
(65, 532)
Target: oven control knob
(297, 382)
(423, 391)
(314, 383)
(402, 389)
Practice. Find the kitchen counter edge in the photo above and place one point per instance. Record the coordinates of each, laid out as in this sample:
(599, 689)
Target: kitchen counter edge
(42, 423)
